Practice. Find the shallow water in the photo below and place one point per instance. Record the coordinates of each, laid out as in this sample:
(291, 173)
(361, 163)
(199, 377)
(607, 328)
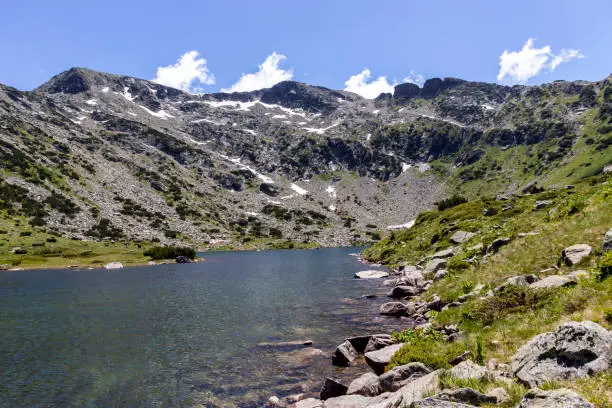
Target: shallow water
(181, 335)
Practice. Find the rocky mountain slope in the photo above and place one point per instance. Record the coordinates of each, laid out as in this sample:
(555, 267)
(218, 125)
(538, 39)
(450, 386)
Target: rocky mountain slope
(94, 156)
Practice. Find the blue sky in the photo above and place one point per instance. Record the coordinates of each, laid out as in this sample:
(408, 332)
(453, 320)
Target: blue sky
(318, 42)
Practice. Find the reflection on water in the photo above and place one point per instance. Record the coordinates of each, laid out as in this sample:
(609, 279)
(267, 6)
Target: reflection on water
(181, 335)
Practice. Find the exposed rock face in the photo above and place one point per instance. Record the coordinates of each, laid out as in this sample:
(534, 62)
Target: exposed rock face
(445, 253)
(367, 385)
(332, 388)
(553, 281)
(575, 349)
(406, 91)
(373, 274)
(399, 376)
(379, 359)
(536, 398)
(461, 236)
(344, 354)
(607, 244)
(397, 309)
(574, 254)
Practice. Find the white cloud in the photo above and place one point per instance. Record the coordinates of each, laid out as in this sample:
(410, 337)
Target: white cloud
(269, 74)
(359, 84)
(517, 67)
(414, 78)
(189, 70)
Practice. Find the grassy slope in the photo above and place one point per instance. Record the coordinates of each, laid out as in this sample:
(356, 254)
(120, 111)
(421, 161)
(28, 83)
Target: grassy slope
(579, 216)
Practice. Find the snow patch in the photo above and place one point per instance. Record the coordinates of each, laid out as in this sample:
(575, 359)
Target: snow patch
(105, 89)
(91, 102)
(298, 189)
(126, 94)
(321, 131)
(405, 166)
(407, 225)
(132, 113)
(368, 137)
(487, 106)
(161, 114)
(423, 167)
(331, 190)
(251, 131)
(376, 111)
(332, 208)
(254, 214)
(260, 176)
(279, 117)
(212, 122)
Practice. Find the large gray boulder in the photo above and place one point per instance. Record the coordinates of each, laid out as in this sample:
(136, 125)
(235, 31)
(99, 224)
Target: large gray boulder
(466, 395)
(309, 403)
(468, 370)
(379, 359)
(536, 398)
(344, 355)
(435, 265)
(332, 388)
(412, 392)
(367, 385)
(497, 244)
(371, 274)
(607, 243)
(520, 280)
(445, 253)
(399, 376)
(397, 309)
(413, 278)
(403, 291)
(553, 281)
(575, 349)
(433, 402)
(574, 254)
(348, 401)
(461, 236)
(378, 341)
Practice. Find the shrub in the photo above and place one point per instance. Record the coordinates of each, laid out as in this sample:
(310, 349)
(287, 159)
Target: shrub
(451, 202)
(604, 267)
(170, 252)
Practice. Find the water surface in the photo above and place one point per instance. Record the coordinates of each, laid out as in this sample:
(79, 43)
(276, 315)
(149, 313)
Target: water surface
(180, 335)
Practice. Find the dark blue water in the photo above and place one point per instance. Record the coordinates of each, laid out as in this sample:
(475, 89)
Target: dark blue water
(179, 335)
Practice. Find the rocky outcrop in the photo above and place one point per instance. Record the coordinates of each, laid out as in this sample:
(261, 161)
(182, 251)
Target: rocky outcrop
(344, 355)
(576, 253)
(536, 398)
(379, 359)
(435, 265)
(367, 385)
(414, 391)
(575, 349)
(399, 376)
(269, 189)
(332, 388)
(438, 403)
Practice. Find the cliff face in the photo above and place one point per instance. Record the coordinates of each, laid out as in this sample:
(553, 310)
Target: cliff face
(94, 155)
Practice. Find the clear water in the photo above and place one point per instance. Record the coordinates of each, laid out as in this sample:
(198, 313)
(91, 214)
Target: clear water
(181, 335)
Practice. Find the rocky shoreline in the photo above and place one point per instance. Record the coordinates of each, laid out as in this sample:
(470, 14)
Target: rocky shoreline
(573, 350)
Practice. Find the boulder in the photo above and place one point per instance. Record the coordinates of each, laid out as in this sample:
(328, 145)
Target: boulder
(309, 403)
(433, 402)
(348, 401)
(366, 385)
(461, 236)
(359, 343)
(499, 393)
(541, 204)
(520, 280)
(379, 359)
(379, 341)
(536, 398)
(468, 370)
(332, 388)
(607, 243)
(414, 391)
(574, 349)
(580, 273)
(403, 291)
(445, 253)
(183, 259)
(113, 265)
(553, 281)
(441, 274)
(397, 309)
(498, 243)
(269, 189)
(467, 395)
(413, 278)
(344, 355)
(435, 265)
(399, 376)
(576, 253)
(371, 274)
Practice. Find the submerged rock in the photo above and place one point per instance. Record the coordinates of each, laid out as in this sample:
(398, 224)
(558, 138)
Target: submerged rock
(348, 401)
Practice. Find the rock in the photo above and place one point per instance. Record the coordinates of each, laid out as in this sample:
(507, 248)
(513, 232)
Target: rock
(379, 341)
(578, 274)
(413, 278)
(468, 370)
(433, 402)
(309, 403)
(359, 343)
(397, 309)
(332, 388)
(269, 189)
(461, 236)
(435, 265)
(113, 265)
(344, 354)
(371, 274)
(461, 358)
(366, 385)
(574, 254)
(489, 212)
(431, 87)
(274, 402)
(520, 280)
(379, 359)
(445, 253)
(607, 243)
(399, 376)
(574, 349)
(302, 357)
(182, 259)
(467, 395)
(406, 90)
(553, 281)
(542, 204)
(607, 169)
(414, 391)
(441, 274)
(500, 394)
(151, 263)
(536, 398)
(286, 344)
(403, 291)
(348, 401)
(498, 243)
